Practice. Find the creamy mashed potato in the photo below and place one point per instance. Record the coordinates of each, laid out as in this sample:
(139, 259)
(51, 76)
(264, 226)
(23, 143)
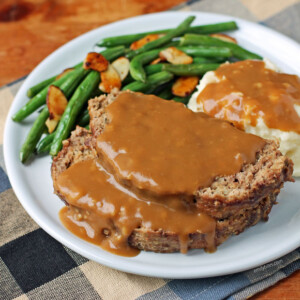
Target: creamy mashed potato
(289, 140)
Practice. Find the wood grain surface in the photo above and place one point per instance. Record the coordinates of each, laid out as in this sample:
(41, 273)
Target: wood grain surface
(32, 29)
(286, 289)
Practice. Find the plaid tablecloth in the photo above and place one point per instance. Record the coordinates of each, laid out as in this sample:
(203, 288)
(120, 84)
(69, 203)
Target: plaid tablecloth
(35, 266)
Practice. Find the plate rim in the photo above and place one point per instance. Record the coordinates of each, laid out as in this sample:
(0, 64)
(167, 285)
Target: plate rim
(75, 247)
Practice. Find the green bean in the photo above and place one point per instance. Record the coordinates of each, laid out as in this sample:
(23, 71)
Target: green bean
(165, 93)
(109, 54)
(46, 149)
(237, 51)
(31, 92)
(183, 100)
(113, 53)
(213, 28)
(77, 101)
(178, 31)
(150, 69)
(127, 80)
(45, 144)
(171, 44)
(136, 65)
(131, 54)
(34, 135)
(153, 81)
(200, 29)
(67, 84)
(96, 93)
(206, 51)
(208, 60)
(84, 118)
(37, 101)
(138, 72)
(190, 70)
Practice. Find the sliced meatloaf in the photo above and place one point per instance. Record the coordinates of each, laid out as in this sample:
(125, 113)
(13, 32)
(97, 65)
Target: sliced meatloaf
(79, 147)
(228, 195)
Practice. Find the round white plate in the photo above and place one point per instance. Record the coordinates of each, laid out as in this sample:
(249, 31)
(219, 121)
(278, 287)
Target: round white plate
(33, 186)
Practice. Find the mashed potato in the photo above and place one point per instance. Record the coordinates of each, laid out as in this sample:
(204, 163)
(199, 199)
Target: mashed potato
(289, 140)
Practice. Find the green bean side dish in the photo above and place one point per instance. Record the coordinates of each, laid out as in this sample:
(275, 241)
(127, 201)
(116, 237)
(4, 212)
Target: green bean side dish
(79, 85)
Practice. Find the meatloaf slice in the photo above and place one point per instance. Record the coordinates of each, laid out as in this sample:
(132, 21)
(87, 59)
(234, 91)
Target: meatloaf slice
(228, 195)
(79, 147)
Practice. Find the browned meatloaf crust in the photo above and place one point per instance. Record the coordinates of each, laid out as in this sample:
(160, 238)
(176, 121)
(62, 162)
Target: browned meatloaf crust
(227, 195)
(79, 147)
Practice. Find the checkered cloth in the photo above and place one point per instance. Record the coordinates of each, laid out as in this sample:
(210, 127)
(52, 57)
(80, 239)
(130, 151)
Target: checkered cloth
(33, 265)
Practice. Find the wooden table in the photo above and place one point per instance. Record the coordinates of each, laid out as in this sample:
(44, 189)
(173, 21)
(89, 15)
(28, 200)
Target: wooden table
(30, 30)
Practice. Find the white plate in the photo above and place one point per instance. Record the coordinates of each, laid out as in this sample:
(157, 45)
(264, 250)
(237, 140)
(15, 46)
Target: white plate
(33, 186)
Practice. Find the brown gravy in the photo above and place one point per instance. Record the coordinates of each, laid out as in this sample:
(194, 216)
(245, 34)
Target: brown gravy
(154, 145)
(248, 90)
(161, 146)
(106, 213)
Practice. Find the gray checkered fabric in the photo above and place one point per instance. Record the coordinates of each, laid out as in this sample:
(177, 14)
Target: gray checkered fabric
(35, 266)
